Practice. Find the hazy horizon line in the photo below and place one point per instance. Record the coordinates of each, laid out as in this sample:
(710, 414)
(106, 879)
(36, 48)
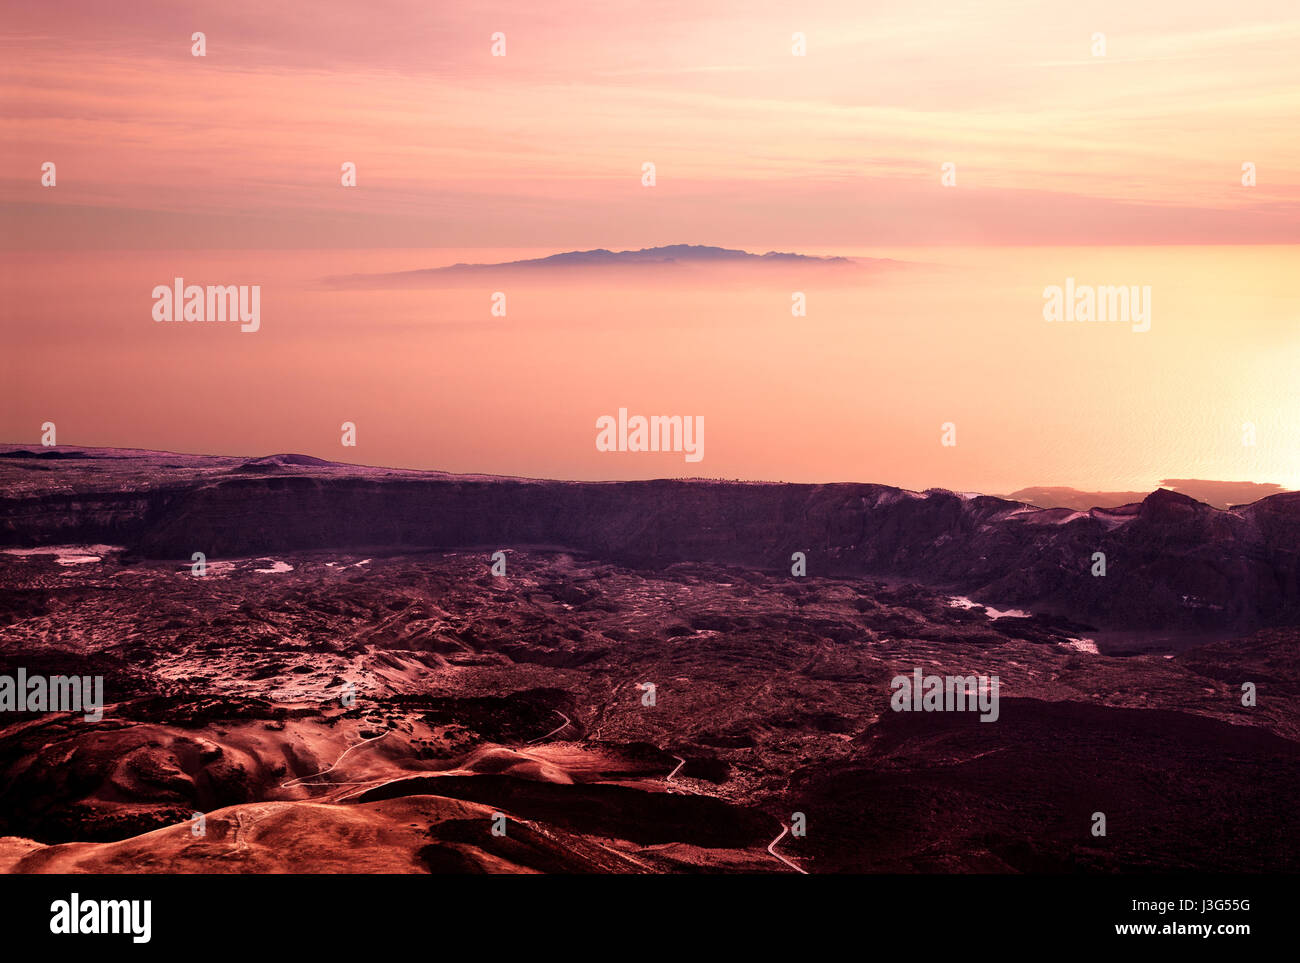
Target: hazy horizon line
(8, 448)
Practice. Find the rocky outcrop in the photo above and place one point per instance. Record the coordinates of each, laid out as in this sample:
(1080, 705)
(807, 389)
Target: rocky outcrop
(1170, 561)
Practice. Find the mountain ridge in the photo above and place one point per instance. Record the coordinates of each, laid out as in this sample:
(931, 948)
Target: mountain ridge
(667, 255)
(1171, 561)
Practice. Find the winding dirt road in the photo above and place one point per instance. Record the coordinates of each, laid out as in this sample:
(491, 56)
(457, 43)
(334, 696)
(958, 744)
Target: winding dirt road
(301, 780)
(770, 848)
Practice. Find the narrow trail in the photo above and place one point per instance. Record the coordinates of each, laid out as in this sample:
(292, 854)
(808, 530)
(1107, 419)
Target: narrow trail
(301, 780)
(680, 787)
(241, 824)
(599, 720)
(365, 786)
(567, 722)
(770, 848)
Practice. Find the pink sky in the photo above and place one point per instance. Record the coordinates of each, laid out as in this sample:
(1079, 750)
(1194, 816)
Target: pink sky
(753, 146)
(225, 169)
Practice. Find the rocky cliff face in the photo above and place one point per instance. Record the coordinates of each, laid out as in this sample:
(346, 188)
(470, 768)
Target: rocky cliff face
(1170, 561)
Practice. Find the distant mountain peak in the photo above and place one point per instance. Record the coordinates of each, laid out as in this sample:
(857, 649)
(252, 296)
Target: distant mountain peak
(666, 255)
(663, 254)
(286, 460)
(1219, 494)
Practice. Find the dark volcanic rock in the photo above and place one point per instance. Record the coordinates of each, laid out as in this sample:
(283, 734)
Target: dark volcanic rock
(1171, 561)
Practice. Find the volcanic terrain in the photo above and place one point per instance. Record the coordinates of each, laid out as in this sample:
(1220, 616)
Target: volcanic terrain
(348, 686)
